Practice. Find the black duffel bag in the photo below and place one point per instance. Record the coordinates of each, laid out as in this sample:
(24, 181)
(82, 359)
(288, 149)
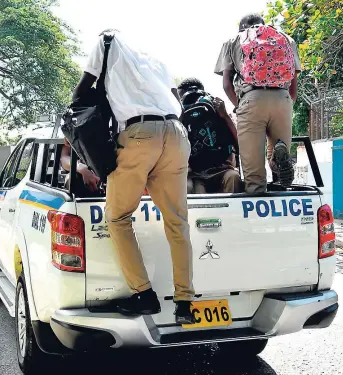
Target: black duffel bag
(86, 126)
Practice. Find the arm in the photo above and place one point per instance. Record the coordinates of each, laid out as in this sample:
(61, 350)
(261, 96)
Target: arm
(225, 67)
(89, 178)
(229, 88)
(221, 110)
(92, 70)
(65, 157)
(293, 90)
(231, 126)
(86, 82)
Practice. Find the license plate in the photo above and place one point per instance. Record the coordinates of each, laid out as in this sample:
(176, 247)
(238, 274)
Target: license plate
(210, 314)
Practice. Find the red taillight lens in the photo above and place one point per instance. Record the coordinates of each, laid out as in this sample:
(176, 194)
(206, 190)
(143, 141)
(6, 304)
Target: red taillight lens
(67, 241)
(326, 231)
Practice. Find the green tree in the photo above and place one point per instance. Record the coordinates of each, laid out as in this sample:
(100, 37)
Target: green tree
(6, 139)
(317, 27)
(336, 125)
(37, 73)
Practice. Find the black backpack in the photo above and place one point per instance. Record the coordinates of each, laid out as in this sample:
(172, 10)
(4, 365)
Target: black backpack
(86, 126)
(210, 138)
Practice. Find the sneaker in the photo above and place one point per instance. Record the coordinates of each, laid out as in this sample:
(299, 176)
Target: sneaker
(283, 164)
(143, 303)
(183, 313)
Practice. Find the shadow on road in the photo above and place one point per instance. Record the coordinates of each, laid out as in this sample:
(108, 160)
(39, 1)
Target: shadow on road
(200, 360)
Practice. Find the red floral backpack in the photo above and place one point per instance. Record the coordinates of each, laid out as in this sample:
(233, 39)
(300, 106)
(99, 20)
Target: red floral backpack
(268, 58)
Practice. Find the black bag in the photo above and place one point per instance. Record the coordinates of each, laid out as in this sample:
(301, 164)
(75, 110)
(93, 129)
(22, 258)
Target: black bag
(210, 138)
(86, 126)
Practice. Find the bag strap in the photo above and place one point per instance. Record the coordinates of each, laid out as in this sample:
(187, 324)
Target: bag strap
(100, 86)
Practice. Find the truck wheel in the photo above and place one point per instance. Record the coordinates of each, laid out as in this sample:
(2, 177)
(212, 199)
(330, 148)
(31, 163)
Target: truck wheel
(254, 347)
(28, 353)
(247, 348)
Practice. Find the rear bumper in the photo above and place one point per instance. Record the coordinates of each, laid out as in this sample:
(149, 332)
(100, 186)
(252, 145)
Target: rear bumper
(81, 329)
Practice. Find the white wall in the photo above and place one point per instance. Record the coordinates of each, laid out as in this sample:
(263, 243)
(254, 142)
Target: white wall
(323, 153)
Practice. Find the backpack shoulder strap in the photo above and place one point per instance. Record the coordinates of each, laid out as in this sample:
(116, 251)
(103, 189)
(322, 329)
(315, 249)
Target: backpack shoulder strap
(108, 37)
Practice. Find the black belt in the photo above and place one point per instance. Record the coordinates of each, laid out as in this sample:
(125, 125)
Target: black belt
(267, 88)
(251, 88)
(145, 118)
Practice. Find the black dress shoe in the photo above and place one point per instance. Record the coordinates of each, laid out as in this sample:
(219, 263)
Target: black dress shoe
(183, 313)
(143, 303)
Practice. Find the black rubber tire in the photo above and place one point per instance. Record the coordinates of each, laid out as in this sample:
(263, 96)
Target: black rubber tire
(246, 348)
(254, 347)
(33, 358)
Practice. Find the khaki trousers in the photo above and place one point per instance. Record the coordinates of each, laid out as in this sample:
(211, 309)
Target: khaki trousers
(228, 182)
(261, 114)
(153, 154)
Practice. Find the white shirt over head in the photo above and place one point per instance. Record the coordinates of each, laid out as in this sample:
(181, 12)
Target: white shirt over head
(136, 83)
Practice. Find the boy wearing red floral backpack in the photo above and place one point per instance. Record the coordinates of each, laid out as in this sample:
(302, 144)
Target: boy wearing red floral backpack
(259, 68)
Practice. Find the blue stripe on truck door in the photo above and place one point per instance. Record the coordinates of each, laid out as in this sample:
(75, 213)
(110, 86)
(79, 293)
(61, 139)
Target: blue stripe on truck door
(41, 199)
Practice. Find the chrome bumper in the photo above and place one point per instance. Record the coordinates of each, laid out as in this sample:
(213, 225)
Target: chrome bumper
(81, 329)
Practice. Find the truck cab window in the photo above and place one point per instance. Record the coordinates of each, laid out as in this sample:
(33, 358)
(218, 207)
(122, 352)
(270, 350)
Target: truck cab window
(8, 171)
(24, 163)
(12, 175)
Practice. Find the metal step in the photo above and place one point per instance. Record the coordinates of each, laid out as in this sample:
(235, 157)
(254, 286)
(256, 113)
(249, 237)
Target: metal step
(7, 294)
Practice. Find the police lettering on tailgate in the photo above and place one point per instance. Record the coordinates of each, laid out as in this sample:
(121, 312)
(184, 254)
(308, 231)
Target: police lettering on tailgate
(272, 208)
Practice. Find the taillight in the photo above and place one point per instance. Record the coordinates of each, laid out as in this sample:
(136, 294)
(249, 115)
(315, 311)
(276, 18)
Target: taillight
(326, 229)
(67, 241)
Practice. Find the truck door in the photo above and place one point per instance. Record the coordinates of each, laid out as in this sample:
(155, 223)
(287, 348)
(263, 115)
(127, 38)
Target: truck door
(5, 181)
(11, 187)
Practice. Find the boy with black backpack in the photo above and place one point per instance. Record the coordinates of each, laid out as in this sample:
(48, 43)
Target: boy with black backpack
(259, 68)
(213, 139)
(152, 151)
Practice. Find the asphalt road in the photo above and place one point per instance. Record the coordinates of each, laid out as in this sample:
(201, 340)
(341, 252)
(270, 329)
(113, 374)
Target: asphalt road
(311, 352)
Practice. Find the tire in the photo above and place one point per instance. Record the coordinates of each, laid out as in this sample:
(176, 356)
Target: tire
(254, 347)
(247, 348)
(30, 357)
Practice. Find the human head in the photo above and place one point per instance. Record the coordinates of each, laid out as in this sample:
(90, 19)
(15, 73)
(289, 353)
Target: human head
(188, 83)
(108, 31)
(249, 20)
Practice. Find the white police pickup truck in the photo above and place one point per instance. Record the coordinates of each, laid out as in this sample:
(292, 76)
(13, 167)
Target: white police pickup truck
(263, 265)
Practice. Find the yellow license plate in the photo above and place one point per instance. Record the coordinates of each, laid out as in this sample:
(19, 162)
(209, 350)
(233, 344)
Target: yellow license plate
(210, 314)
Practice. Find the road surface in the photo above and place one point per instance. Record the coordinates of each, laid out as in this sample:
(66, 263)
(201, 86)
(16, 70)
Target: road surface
(312, 352)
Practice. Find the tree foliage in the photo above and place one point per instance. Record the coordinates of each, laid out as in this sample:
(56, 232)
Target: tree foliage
(336, 125)
(317, 27)
(37, 73)
(6, 139)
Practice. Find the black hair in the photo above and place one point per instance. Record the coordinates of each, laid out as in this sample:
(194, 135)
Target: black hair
(187, 83)
(250, 20)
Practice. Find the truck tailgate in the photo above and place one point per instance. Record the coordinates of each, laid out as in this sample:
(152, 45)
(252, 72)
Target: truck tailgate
(239, 244)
